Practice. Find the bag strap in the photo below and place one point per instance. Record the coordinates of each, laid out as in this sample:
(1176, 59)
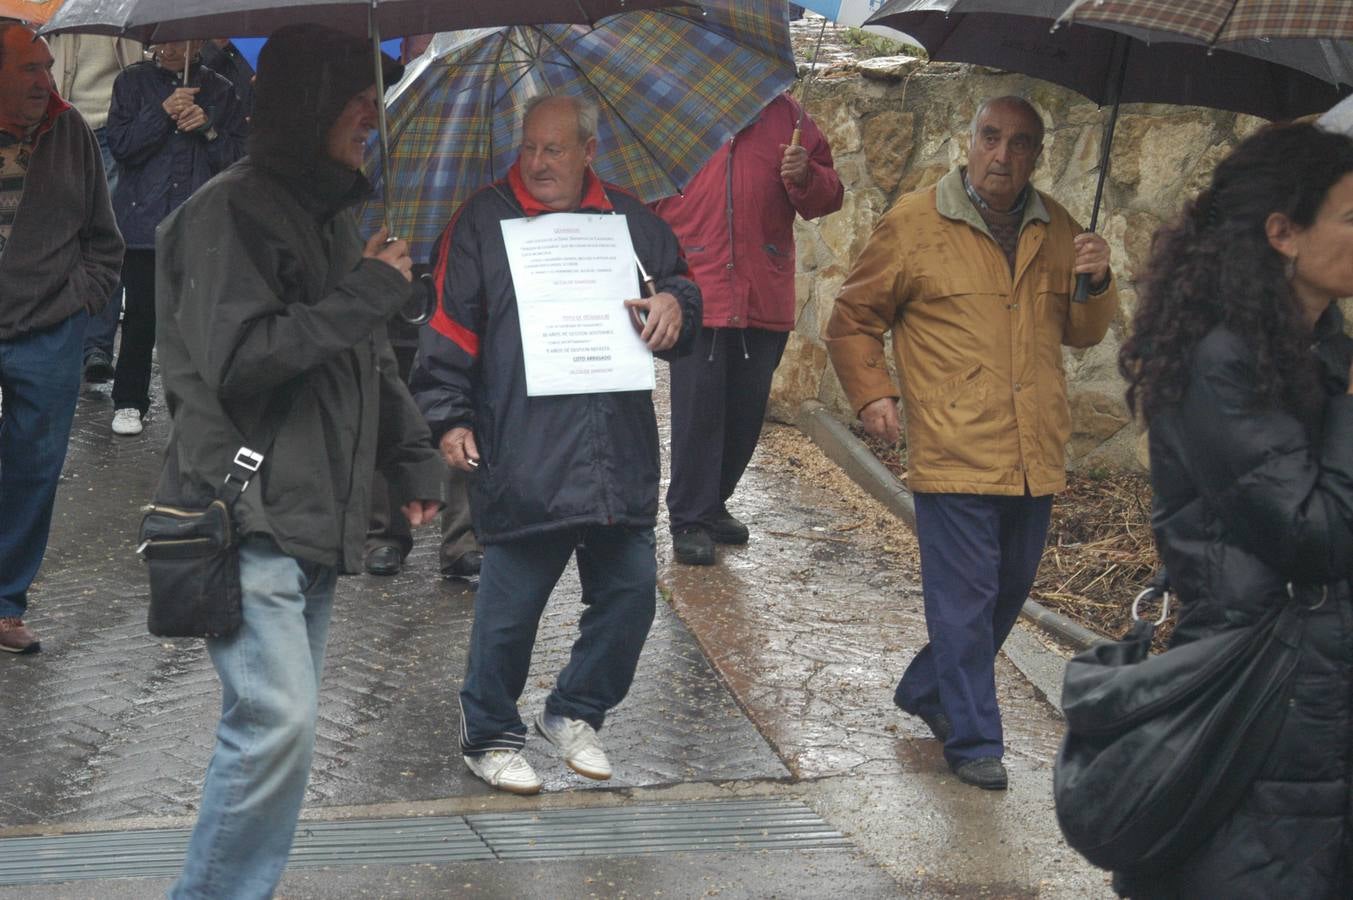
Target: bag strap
(249, 457)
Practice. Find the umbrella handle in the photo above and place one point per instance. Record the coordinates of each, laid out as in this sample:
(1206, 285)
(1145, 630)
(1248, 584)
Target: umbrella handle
(422, 302)
(796, 139)
(1082, 288)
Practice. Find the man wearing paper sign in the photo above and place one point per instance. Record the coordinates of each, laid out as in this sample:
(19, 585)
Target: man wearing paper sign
(532, 376)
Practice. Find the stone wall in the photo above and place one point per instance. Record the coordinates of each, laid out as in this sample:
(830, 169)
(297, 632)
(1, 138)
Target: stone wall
(896, 125)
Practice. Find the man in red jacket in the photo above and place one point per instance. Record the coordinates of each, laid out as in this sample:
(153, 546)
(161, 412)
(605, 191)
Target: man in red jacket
(736, 225)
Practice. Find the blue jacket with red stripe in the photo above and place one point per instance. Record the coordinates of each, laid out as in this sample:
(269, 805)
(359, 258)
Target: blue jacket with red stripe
(546, 462)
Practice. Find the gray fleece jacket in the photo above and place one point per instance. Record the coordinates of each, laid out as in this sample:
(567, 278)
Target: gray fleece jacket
(65, 252)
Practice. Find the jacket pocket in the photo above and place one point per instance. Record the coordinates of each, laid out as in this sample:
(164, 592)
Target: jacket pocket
(954, 423)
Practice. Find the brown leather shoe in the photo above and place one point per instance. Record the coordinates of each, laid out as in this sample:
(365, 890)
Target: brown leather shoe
(16, 637)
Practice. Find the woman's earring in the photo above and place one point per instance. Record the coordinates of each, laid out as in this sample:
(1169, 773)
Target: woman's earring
(1290, 267)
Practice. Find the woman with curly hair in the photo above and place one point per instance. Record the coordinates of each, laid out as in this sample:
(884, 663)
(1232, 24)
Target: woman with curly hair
(1239, 365)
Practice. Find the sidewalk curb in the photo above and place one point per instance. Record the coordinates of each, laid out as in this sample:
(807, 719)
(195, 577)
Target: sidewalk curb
(856, 460)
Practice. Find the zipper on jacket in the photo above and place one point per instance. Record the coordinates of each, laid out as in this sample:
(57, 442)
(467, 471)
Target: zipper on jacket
(728, 207)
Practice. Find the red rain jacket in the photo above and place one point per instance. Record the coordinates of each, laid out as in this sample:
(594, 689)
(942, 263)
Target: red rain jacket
(736, 219)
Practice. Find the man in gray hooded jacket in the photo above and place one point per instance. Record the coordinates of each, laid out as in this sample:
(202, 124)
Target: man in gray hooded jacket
(272, 312)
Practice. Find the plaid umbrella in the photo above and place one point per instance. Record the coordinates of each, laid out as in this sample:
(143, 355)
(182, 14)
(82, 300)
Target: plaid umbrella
(1273, 80)
(1113, 65)
(1315, 36)
(672, 86)
(1218, 23)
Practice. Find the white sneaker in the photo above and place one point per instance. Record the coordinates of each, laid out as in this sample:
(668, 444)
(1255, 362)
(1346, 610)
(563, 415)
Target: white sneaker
(579, 744)
(127, 421)
(506, 770)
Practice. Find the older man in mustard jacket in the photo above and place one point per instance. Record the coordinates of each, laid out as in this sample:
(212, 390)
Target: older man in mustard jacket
(974, 277)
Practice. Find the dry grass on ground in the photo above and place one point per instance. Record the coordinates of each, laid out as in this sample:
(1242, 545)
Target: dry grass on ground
(786, 449)
(1100, 551)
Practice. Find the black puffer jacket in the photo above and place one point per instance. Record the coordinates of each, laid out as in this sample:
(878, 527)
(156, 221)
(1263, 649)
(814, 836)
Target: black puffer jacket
(545, 462)
(1250, 498)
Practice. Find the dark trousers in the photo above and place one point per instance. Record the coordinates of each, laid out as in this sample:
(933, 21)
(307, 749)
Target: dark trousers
(979, 555)
(103, 326)
(389, 528)
(131, 378)
(619, 576)
(719, 395)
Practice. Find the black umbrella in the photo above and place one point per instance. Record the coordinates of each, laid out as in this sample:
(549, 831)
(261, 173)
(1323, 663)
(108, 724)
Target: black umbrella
(1112, 67)
(157, 21)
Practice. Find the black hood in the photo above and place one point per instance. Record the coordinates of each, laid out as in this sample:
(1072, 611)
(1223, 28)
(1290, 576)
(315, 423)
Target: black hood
(307, 73)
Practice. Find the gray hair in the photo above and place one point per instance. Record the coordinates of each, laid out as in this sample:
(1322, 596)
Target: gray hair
(585, 109)
(1009, 100)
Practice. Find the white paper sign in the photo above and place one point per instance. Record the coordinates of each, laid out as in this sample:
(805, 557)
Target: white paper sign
(572, 273)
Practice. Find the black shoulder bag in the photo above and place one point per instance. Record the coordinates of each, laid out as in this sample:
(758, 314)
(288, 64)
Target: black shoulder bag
(1160, 749)
(192, 554)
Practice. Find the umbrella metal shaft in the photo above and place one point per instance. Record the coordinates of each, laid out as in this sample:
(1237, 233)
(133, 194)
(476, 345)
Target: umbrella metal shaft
(1105, 157)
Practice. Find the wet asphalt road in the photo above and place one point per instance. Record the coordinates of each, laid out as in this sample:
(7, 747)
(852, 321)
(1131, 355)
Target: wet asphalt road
(767, 675)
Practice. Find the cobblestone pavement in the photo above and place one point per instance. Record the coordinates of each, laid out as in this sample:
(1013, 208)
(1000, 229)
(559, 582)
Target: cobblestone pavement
(108, 722)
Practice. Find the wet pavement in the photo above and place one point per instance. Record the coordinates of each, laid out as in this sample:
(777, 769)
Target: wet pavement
(767, 676)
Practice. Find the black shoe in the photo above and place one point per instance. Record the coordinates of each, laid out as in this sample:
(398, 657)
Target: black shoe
(939, 725)
(386, 560)
(693, 546)
(986, 772)
(464, 566)
(98, 367)
(727, 530)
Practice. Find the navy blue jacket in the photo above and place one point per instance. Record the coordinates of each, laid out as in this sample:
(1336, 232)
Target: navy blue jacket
(159, 167)
(553, 462)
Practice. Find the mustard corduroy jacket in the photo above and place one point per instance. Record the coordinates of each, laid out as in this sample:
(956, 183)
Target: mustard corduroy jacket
(978, 352)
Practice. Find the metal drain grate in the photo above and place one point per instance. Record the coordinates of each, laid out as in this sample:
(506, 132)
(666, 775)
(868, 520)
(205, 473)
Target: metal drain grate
(137, 854)
(665, 828)
(635, 830)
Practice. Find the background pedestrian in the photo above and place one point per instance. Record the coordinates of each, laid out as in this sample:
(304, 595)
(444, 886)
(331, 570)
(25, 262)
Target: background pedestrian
(735, 222)
(59, 256)
(973, 277)
(273, 315)
(173, 124)
(1238, 363)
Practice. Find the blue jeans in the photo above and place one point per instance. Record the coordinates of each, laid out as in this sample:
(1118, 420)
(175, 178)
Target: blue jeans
(619, 576)
(103, 326)
(979, 556)
(40, 382)
(270, 674)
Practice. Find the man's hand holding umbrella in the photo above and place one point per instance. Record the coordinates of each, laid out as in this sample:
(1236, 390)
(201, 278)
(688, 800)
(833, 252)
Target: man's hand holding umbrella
(1092, 258)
